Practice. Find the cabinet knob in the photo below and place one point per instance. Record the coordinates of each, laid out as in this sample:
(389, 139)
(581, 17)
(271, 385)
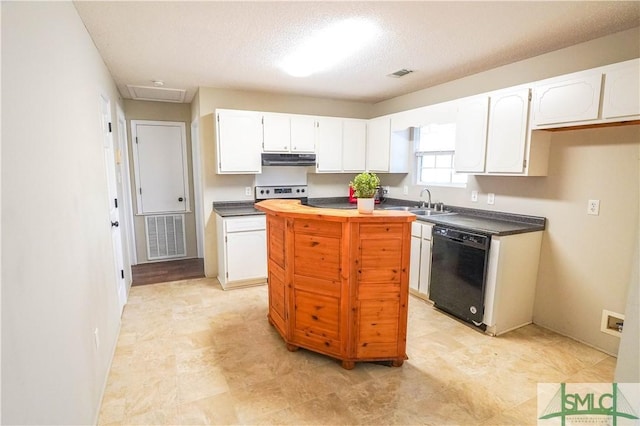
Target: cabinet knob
(180, 199)
(115, 224)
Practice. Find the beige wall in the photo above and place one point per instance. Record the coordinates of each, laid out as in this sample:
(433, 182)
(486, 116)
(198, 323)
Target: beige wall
(161, 111)
(231, 187)
(58, 273)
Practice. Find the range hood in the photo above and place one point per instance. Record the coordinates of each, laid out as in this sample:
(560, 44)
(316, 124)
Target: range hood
(288, 159)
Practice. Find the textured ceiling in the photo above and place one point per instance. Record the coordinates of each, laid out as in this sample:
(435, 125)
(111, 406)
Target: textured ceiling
(238, 45)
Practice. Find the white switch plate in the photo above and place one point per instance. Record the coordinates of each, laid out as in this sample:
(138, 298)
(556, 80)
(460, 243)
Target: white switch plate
(247, 190)
(593, 207)
(491, 198)
(474, 196)
(405, 190)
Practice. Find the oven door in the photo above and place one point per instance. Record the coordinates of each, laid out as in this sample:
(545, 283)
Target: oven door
(458, 271)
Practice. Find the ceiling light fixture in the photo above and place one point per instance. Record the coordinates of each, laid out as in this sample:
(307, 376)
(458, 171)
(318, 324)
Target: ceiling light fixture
(329, 46)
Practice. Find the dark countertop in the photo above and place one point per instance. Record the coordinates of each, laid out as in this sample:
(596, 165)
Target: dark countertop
(474, 220)
(235, 208)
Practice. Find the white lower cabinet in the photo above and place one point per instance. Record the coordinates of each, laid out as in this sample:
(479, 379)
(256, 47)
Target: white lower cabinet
(510, 286)
(242, 250)
(420, 262)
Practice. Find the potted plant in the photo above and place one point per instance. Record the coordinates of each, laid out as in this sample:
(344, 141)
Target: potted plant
(364, 186)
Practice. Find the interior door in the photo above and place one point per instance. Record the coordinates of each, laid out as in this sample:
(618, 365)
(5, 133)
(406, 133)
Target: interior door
(114, 214)
(160, 166)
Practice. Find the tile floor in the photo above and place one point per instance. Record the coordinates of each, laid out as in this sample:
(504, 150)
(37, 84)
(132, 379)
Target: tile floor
(190, 353)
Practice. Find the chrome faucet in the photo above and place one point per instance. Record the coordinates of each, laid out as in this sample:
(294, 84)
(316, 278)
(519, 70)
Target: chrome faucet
(428, 192)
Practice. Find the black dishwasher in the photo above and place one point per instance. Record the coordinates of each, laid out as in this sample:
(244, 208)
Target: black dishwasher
(458, 272)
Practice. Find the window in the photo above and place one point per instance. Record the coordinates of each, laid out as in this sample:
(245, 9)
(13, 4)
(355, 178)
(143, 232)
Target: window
(435, 150)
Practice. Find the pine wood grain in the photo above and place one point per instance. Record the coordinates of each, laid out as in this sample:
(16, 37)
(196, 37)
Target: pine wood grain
(338, 282)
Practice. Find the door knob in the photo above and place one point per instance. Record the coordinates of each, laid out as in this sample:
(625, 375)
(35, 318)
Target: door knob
(180, 199)
(116, 223)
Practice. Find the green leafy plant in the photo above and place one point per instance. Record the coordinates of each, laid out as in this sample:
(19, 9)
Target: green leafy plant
(365, 184)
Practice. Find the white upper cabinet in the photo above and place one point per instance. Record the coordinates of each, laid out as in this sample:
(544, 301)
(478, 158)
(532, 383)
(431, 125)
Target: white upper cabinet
(302, 133)
(386, 150)
(239, 141)
(340, 144)
(288, 133)
(378, 144)
(622, 90)
(568, 100)
(329, 144)
(471, 135)
(276, 132)
(507, 132)
(354, 143)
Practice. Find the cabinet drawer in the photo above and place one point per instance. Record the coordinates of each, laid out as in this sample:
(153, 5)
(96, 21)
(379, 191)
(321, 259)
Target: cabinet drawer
(421, 230)
(426, 231)
(416, 229)
(250, 223)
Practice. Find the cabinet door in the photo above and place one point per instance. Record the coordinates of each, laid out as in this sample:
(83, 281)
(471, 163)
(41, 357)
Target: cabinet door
(507, 134)
(239, 141)
(414, 266)
(378, 143)
(329, 144)
(575, 99)
(622, 91)
(302, 133)
(246, 255)
(471, 135)
(277, 132)
(425, 260)
(354, 144)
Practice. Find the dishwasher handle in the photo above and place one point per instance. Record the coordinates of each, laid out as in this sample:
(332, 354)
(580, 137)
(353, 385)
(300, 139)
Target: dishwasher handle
(462, 237)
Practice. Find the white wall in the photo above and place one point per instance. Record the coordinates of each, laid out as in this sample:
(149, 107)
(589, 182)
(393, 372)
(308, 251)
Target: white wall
(58, 281)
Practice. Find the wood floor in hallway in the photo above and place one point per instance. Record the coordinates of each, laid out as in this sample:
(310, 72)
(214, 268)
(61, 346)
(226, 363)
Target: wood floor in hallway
(162, 272)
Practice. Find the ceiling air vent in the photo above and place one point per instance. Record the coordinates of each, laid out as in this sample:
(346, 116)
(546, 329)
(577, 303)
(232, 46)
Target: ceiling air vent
(146, 93)
(400, 73)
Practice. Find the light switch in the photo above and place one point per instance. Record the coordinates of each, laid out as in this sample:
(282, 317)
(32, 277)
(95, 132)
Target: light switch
(474, 196)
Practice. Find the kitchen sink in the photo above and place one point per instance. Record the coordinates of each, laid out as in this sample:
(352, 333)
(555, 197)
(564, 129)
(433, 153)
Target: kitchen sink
(402, 208)
(417, 210)
(427, 212)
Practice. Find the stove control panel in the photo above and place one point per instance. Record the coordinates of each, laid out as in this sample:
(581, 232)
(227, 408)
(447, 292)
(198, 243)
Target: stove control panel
(271, 192)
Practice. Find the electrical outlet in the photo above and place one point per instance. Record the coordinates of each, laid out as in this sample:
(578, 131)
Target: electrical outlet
(593, 207)
(247, 191)
(491, 198)
(474, 196)
(405, 190)
(96, 338)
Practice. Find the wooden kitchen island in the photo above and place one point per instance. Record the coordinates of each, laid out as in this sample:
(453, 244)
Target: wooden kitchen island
(339, 280)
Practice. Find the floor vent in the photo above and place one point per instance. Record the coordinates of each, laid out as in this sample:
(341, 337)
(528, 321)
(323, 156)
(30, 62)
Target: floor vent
(165, 236)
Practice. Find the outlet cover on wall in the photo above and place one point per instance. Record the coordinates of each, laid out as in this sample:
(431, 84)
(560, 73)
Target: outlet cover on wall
(491, 198)
(247, 191)
(593, 207)
(405, 190)
(474, 196)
